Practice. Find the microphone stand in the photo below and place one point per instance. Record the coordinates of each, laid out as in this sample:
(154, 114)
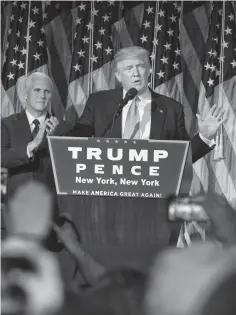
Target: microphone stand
(111, 123)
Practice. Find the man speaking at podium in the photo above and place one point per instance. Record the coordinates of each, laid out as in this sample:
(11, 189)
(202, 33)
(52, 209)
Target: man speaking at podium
(140, 224)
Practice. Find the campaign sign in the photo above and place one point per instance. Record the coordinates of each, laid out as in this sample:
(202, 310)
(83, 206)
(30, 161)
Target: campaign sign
(117, 167)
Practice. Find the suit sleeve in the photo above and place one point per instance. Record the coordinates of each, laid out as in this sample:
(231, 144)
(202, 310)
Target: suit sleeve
(85, 125)
(199, 147)
(12, 157)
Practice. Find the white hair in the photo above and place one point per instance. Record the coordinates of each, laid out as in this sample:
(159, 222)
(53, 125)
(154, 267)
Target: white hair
(35, 76)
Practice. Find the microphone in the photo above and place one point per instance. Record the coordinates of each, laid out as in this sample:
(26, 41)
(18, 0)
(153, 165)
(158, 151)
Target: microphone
(128, 96)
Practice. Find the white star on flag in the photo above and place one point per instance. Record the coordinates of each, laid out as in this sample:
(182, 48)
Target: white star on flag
(35, 10)
(40, 42)
(98, 45)
(37, 56)
(167, 46)
(10, 76)
(95, 12)
(94, 59)
(207, 66)
(231, 17)
(164, 59)
(158, 27)
(78, 20)
(23, 5)
(228, 30)
(225, 44)
(28, 38)
(161, 13)
(155, 42)
(82, 6)
(170, 32)
(108, 50)
(149, 10)
(102, 31)
(106, 17)
(173, 18)
(161, 74)
(20, 19)
(89, 26)
(177, 51)
(143, 38)
(210, 81)
(21, 65)
(77, 67)
(146, 24)
(85, 39)
(81, 53)
(13, 62)
(233, 63)
(176, 65)
(31, 24)
(16, 48)
(12, 17)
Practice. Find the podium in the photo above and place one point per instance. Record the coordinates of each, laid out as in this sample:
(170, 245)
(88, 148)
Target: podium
(116, 192)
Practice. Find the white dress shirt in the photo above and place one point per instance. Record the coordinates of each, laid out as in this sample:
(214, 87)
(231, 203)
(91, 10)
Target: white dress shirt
(144, 107)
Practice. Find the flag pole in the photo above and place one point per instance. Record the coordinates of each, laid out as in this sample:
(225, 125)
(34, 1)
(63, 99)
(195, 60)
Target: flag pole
(27, 43)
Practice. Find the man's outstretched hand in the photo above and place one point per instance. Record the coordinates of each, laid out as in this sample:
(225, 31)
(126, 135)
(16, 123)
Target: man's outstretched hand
(214, 119)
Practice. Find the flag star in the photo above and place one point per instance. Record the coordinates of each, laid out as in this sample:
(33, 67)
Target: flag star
(207, 66)
(42, 30)
(175, 4)
(16, 48)
(12, 17)
(217, 73)
(225, 44)
(13, 62)
(75, 35)
(35, 10)
(146, 24)
(213, 67)
(81, 53)
(161, 74)
(143, 38)
(28, 37)
(173, 18)
(233, 63)
(161, 13)
(77, 67)
(24, 51)
(102, 31)
(10, 76)
(149, 9)
(170, 32)
(228, 30)
(155, 41)
(40, 42)
(214, 53)
(108, 50)
(31, 24)
(36, 56)
(98, 45)
(85, 39)
(106, 17)
(45, 15)
(164, 59)
(216, 39)
(158, 27)
(210, 52)
(14, 3)
(21, 65)
(7, 45)
(177, 51)
(107, 141)
(23, 5)
(78, 20)
(179, 8)
(47, 3)
(57, 6)
(18, 34)
(167, 46)
(220, 11)
(152, 56)
(111, 2)
(89, 26)
(218, 25)
(9, 31)
(82, 6)
(176, 65)
(94, 59)
(210, 82)
(20, 19)
(231, 17)
(95, 12)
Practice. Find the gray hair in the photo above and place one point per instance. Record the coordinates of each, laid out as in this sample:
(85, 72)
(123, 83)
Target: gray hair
(37, 75)
(130, 53)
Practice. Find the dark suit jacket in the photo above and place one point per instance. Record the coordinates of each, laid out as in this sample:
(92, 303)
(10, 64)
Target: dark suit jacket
(15, 136)
(167, 120)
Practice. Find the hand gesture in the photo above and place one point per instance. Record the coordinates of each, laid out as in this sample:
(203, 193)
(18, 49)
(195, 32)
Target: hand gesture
(51, 126)
(214, 119)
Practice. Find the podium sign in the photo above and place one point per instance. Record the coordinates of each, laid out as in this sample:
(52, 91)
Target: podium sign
(118, 167)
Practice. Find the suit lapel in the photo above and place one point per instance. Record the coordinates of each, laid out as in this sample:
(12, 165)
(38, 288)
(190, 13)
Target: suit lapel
(117, 126)
(23, 127)
(158, 115)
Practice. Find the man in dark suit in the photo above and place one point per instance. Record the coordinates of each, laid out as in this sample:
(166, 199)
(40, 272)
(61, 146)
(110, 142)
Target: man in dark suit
(23, 138)
(135, 227)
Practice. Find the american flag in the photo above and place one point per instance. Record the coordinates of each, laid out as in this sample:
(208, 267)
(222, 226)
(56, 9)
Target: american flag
(25, 50)
(129, 23)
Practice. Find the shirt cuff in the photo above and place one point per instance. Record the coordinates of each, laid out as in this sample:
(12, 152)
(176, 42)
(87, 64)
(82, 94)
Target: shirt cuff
(208, 142)
(29, 154)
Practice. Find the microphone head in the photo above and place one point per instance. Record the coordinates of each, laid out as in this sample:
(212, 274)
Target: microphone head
(131, 93)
